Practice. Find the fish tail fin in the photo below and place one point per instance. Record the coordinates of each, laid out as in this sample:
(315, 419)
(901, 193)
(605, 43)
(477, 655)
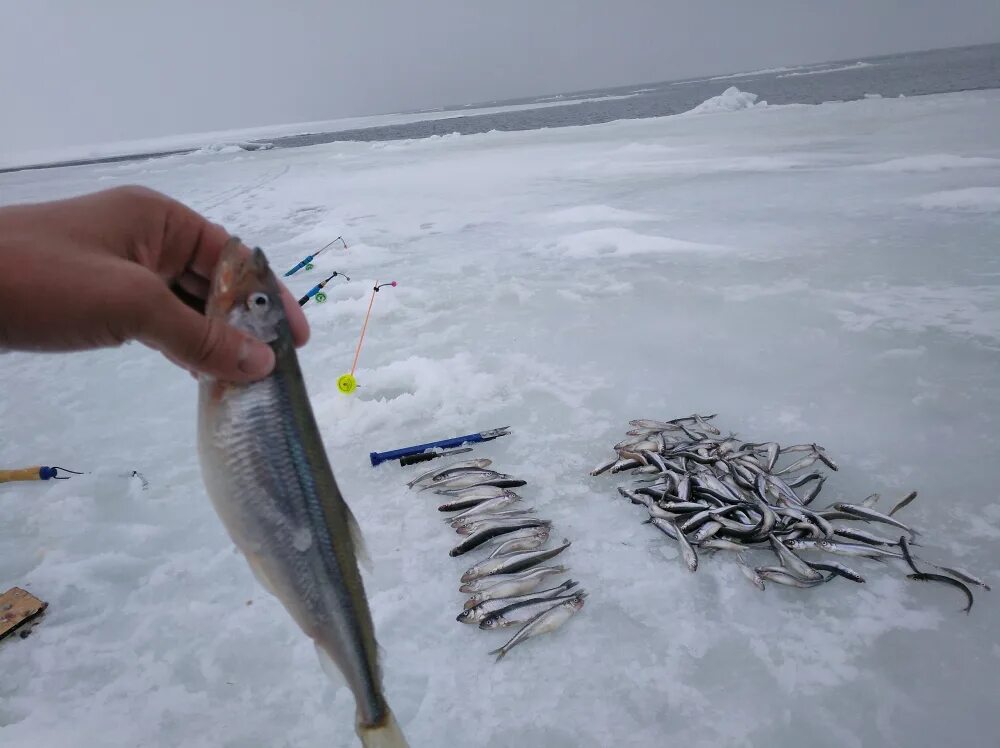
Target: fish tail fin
(386, 735)
(500, 653)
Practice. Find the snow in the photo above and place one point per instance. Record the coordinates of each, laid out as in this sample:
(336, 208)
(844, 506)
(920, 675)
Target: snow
(760, 264)
(233, 147)
(730, 100)
(597, 214)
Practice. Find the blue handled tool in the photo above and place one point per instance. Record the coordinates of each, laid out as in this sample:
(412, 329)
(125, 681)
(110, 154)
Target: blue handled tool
(315, 290)
(483, 436)
(307, 262)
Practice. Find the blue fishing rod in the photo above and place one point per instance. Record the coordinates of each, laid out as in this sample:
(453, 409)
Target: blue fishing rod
(317, 290)
(307, 262)
(428, 451)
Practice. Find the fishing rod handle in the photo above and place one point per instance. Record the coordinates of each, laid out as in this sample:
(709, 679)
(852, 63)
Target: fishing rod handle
(310, 293)
(298, 267)
(37, 472)
(414, 459)
(378, 458)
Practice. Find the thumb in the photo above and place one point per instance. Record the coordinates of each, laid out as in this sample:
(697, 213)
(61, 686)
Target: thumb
(205, 344)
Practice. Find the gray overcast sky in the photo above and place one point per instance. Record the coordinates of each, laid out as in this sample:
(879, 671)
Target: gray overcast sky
(74, 72)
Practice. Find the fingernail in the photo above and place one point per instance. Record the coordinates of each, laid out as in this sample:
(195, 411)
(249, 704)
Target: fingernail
(256, 359)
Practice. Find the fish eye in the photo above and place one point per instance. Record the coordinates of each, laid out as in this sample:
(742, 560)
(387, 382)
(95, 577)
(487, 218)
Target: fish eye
(259, 301)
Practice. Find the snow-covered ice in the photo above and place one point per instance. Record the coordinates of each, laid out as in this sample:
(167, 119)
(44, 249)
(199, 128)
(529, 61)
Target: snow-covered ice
(823, 71)
(730, 100)
(242, 136)
(823, 273)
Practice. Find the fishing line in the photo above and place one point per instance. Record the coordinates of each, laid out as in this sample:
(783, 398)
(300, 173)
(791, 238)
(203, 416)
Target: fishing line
(347, 383)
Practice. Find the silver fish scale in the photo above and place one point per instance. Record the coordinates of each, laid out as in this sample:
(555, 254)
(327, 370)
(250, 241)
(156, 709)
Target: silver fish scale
(267, 474)
(273, 484)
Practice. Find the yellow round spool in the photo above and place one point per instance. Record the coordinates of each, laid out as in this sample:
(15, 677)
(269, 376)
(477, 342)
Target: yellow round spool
(347, 384)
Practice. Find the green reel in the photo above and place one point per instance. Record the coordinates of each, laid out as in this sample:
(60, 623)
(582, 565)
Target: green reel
(320, 297)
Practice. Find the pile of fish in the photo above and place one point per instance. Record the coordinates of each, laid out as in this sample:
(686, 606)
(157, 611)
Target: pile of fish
(709, 492)
(487, 514)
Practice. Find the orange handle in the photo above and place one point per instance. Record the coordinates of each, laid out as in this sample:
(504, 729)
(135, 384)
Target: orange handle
(28, 473)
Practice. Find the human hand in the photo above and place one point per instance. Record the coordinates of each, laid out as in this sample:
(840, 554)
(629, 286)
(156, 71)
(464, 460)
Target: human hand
(123, 264)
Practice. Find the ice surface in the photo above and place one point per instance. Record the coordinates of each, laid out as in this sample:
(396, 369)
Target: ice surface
(985, 199)
(840, 68)
(746, 74)
(242, 136)
(730, 100)
(932, 162)
(758, 263)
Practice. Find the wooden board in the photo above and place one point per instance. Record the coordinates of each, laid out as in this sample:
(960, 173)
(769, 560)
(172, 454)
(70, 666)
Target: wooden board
(17, 607)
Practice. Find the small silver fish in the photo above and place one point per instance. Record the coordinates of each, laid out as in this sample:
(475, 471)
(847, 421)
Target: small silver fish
(513, 563)
(468, 525)
(464, 479)
(793, 563)
(479, 464)
(543, 623)
(780, 575)
(509, 584)
(489, 506)
(526, 543)
(604, 466)
(491, 530)
(475, 612)
(520, 613)
(870, 514)
(474, 497)
(687, 550)
(749, 572)
(903, 502)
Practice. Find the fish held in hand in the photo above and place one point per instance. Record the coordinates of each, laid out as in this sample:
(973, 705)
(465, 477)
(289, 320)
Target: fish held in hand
(267, 473)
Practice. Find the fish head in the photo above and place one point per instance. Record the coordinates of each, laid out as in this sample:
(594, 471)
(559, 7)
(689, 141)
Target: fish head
(490, 622)
(469, 615)
(245, 293)
(575, 604)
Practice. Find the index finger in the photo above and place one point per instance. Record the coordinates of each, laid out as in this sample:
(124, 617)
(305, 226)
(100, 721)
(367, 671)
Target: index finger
(198, 243)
